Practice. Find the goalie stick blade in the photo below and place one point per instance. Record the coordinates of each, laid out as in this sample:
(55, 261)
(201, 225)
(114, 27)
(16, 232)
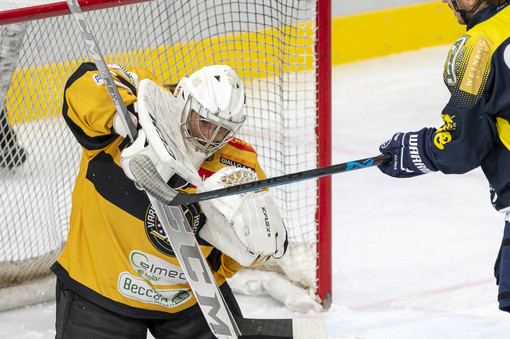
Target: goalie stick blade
(269, 328)
(299, 328)
(308, 328)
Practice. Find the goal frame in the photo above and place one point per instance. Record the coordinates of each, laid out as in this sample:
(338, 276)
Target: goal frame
(323, 116)
(323, 130)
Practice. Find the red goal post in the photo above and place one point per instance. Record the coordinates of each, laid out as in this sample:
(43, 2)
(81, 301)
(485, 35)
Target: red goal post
(281, 50)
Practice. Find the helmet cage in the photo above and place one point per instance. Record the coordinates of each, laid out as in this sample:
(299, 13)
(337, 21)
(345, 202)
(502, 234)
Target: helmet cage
(224, 129)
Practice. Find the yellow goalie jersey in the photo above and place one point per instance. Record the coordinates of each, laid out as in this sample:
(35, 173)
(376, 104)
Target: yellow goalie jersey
(117, 254)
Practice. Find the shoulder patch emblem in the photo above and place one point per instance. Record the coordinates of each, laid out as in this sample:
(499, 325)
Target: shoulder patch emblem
(123, 72)
(97, 79)
(443, 135)
(211, 157)
(450, 76)
(475, 70)
(156, 234)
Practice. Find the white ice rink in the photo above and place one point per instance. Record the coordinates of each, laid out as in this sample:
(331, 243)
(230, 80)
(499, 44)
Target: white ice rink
(413, 258)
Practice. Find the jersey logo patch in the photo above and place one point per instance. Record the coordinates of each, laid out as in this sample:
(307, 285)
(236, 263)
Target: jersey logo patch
(443, 135)
(156, 270)
(211, 157)
(138, 289)
(97, 79)
(156, 234)
(123, 71)
(450, 75)
(475, 70)
(232, 162)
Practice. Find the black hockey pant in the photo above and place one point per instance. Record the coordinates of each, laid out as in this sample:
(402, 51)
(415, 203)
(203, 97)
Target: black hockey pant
(78, 318)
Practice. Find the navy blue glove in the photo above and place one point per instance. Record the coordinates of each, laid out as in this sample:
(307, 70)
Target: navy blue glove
(409, 157)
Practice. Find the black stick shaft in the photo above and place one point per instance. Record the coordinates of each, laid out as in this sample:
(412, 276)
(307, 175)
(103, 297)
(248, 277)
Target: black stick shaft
(186, 198)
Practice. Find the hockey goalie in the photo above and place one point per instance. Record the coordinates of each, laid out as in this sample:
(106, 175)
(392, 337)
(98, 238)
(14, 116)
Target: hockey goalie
(118, 275)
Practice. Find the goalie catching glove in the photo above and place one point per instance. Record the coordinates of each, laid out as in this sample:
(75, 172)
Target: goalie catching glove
(160, 138)
(246, 227)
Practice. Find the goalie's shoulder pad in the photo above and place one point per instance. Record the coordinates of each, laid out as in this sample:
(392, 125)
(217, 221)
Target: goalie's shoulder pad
(242, 145)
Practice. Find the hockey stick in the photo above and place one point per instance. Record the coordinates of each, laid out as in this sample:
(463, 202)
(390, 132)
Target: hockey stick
(184, 243)
(97, 56)
(169, 196)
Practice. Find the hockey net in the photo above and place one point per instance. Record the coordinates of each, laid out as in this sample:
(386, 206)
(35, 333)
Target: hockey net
(273, 46)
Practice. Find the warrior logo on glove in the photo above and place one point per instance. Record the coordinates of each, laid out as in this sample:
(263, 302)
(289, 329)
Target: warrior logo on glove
(408, 154)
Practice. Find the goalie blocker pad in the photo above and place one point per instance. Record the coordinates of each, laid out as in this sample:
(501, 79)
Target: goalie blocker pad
(160, 139)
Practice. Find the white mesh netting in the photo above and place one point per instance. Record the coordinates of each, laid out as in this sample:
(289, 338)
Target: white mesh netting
(269, 43)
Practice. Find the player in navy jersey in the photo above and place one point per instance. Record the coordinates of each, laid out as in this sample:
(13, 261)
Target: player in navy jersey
(476, 130)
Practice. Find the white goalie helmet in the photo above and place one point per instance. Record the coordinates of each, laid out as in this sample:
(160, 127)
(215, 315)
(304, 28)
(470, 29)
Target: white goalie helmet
(213, 100)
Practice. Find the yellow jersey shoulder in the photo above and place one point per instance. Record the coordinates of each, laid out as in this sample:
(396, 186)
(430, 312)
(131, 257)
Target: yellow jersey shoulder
(237, 153)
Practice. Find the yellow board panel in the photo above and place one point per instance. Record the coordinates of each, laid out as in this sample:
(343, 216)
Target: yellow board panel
(37, 91)
(388, 31)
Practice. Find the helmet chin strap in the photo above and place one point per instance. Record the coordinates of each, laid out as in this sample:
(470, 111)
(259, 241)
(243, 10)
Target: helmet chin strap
(464, 12)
